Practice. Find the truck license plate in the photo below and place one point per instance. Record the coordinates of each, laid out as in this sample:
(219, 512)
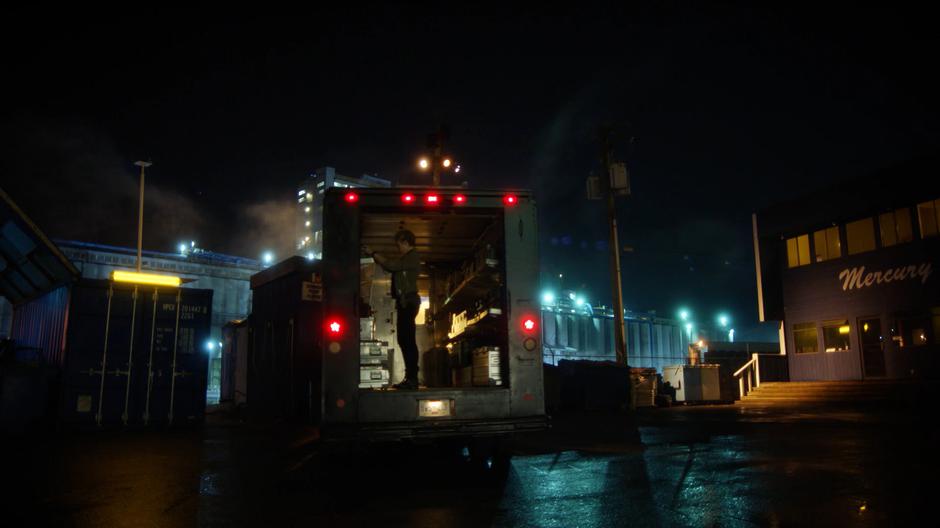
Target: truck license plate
(435, 408)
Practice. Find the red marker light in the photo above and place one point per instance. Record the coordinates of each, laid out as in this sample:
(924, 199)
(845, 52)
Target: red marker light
(408, 198)
(460, 199)
(528, 325)
(432, 199)
(335, 327)
(352, 197)
(510, 199)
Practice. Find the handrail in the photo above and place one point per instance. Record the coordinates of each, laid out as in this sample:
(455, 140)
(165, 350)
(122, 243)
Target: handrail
(749, 369)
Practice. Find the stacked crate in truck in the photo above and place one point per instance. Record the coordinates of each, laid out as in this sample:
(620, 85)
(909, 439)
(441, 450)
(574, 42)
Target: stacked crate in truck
(486, 367)
(377, 331)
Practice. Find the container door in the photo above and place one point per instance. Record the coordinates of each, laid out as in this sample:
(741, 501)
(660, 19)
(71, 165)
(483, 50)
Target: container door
(871, 342)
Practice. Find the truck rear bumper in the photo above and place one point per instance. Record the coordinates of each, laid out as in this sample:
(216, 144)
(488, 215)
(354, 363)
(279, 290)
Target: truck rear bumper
(428, 429)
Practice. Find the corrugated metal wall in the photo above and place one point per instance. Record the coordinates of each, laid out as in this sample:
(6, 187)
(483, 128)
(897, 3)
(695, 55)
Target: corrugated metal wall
(42, 324)
(652, 343)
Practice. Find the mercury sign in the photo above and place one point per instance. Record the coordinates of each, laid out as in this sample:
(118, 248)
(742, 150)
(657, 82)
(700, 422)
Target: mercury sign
(857, 278)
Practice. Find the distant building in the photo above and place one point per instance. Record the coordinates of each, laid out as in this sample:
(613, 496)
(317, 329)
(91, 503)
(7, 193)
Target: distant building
(310, 205)
(577, 334)
(852, 273)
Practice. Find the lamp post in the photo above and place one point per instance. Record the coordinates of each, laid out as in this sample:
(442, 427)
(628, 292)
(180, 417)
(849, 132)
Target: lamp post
(140, 217)
(438, 161)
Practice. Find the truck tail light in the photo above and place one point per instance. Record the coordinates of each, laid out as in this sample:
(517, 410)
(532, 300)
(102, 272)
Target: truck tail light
(460, 199)
(334, 328)
(528, 324)
(432, 199)
(408, 198)
(510, 199)
(352, 197)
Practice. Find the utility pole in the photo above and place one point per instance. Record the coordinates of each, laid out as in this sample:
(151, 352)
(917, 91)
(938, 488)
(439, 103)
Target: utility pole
(615, 279)
(438, 148)
(140, 218)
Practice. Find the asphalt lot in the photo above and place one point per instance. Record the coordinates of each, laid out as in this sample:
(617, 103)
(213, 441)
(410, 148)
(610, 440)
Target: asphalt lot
(682, 466)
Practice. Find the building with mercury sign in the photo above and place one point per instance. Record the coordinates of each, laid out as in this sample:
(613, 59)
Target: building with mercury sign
(850, 273)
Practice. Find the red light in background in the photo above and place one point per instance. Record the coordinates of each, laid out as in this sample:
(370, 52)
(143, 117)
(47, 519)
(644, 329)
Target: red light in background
(528, 325)
(510, 199)
(408, 198)
(432, 199)
(460, 199)
(335, 327)
(352, 197)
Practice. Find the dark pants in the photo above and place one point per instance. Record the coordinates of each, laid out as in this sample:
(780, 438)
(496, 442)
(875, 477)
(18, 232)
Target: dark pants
(406, 339)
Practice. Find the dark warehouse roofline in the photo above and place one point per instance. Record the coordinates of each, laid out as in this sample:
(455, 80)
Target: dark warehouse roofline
(885, 189)
(203, 257)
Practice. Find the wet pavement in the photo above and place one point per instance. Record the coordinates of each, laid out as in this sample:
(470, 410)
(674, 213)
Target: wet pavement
(684, 466)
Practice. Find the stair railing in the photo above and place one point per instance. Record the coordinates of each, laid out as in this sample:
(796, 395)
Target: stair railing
(748, 376)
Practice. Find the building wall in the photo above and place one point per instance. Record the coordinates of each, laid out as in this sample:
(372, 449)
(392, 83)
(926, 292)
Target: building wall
(822, 292)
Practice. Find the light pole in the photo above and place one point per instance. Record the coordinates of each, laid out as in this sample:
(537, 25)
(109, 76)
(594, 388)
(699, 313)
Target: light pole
(140, 217)
(438, 161)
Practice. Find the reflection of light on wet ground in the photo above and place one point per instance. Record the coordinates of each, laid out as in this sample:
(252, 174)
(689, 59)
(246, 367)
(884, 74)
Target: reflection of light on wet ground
(561, 489)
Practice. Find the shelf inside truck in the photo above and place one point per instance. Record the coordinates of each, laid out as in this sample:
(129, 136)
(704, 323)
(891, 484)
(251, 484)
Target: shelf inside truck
(492, 324)
(472, 288)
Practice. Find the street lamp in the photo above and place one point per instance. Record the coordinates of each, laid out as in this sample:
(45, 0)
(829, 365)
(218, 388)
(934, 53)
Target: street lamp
(140, 219)
(723, 320)
(688, 328)
(684, 314)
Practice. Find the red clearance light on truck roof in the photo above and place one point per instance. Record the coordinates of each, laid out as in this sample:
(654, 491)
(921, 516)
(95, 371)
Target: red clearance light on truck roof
(460, 199)
(432, 199)
(334, 327)
(352, 197)
(510, 199)
(408, 198)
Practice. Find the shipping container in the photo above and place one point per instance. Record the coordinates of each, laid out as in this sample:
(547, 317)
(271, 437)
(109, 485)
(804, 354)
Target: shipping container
(127, 355)
(284, 363)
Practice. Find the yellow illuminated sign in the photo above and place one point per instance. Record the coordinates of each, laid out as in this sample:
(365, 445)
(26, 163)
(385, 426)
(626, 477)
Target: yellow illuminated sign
(145, 278)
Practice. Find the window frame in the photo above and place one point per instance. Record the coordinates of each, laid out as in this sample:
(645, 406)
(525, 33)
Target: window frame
(935, 204)
(799, 241)
(870, 231)
(806, 327)
(836, 323)
(827, 236)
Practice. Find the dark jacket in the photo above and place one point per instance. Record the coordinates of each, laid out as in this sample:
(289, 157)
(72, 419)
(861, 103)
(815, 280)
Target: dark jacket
(404, 278)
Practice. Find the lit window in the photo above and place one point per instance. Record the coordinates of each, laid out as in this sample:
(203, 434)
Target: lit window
(827, 243)
(895, 227)
(805, 338)
(917, 330)
(836, 335)
(860, 236)
(927, 213)
(798, 251)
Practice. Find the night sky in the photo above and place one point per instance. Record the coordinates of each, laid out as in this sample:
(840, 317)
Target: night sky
(719, 110)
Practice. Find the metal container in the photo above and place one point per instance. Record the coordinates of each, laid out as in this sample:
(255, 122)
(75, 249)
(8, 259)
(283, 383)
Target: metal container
(134, 355)
(287, 330)
(693, 382)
